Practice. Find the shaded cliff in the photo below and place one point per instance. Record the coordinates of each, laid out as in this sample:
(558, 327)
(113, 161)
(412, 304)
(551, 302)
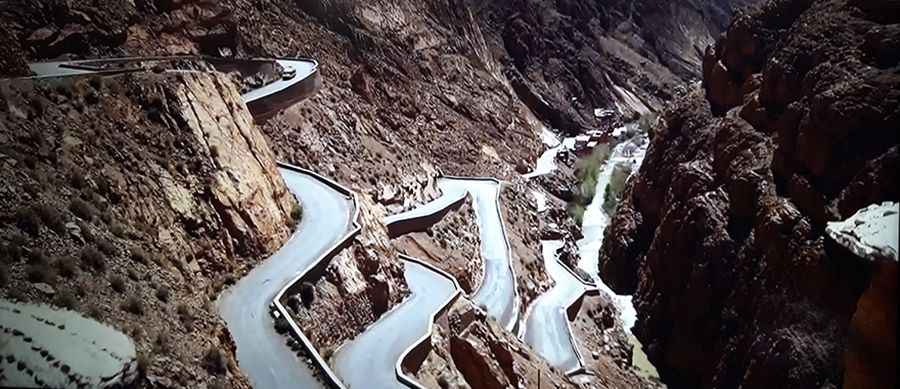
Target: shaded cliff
(721, 234)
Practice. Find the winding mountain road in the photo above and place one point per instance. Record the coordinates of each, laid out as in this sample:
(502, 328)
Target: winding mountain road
(262, 352)
(497, 292)
(547, 325)
(370, 360)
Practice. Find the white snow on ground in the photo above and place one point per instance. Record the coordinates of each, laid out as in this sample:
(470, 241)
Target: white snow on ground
(870, 233)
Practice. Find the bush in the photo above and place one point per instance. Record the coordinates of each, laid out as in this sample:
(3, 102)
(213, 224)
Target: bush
(28, 220)
(13, 250)
(576, 212)
(37, 257)
(117, 229)
(139, 255)
(66, 267)
(185, 315)
(93, 258)
(307, 293)
(586, 171)
(4, 276)
(161, 343)
(40, 273)
(66, 300)
(143, 363)
(85, 231)
(616, 186)
(107, 247)
(214, 361)
(162, 293)
(646, 122)
(117, 284)
(82, 209)
(296, 214)
(133, 305)
(52, 218)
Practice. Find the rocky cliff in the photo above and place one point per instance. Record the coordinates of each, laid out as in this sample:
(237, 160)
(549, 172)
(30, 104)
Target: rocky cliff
(721, 236)
(136, 199)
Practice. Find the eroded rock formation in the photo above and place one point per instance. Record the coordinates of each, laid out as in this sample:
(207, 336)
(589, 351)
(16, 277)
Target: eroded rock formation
(721, 235)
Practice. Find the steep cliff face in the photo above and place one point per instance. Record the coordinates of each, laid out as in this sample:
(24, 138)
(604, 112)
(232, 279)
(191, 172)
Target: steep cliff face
(136, 199)
(721, 235)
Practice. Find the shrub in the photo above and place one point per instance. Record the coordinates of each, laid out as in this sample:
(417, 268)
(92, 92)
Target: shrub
(107, 247)
(646, 122)
(13, 250)
(52, 218)
(576, 212)
(40, 273)
(95, 313)
(77, 178)
(139, 255)
(118, 229)
(4, 276)
(133, 274)
(296, 214)
(28, 220)
(117, 284)
(143, 363)
(66, 267)
(66, 300)
(162, 293)
(616, 186)
(37, 257)
(307, 293)
(93, 258)
(161, 343)
(282, 326)
(85, 231)
(185, 315)
(82, 209)
(133, 305)
(214, 361)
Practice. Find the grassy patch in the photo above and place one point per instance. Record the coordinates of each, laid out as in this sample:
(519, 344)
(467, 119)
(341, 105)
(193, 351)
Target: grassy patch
(616, 186)
(586, 171)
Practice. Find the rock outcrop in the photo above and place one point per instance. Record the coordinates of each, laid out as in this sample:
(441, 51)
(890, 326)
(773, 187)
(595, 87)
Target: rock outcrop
(721, 236)
(136, 199)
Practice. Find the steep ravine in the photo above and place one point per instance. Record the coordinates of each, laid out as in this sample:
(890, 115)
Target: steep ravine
(720, 236)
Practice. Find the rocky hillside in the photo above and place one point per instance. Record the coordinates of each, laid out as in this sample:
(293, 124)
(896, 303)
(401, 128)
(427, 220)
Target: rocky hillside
(411, 88)
(136, 199)
(721, 236)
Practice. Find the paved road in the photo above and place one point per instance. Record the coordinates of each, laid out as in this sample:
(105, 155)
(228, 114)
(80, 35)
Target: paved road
(547, 326)
(261, 352)
(368, 361)
(304, 69)
(498, 290)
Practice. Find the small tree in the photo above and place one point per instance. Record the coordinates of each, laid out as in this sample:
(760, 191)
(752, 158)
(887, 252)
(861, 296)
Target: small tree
(307, 293)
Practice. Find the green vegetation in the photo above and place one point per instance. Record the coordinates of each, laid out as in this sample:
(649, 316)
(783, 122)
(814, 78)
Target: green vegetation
(52, 218)
(307, 293)
(117, 284)
(40, 272)
(82, 209)
(616, 186)
(93, 258)
(214, 361)
(646, 123)
(296, 215)
(586, 171)
(162, 293)
(133, 305)
(66, 300)
(66, 267)
(28, 220)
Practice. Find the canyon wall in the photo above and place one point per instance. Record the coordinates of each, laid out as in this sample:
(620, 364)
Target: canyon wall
(721, 237)
(136, 199)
